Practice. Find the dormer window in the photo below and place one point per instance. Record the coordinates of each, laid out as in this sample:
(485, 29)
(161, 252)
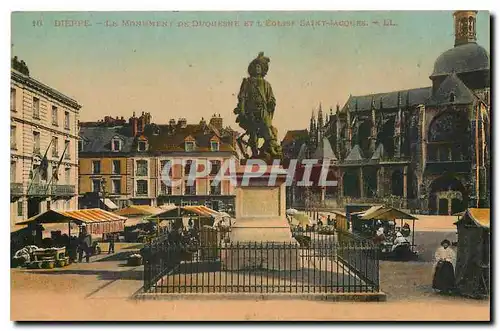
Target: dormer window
(116, 145)
(452, 97)
(214, 144)
(189, 146)
(141, 146)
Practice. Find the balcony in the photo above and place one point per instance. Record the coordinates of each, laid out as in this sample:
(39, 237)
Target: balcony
(38, 190)
(384, 160)
(16, 189)
(141, 194)
(63, 190)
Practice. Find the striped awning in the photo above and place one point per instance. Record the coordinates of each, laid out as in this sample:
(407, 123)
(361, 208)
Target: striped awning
(202, 211)
(98, 221)
(139, 210)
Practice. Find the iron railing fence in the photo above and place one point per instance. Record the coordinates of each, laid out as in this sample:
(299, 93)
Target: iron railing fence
(205, 262)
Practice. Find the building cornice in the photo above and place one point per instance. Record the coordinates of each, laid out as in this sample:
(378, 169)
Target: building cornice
(42, 88)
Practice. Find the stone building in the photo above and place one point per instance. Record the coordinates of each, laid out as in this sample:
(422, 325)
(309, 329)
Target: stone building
(43, 146)
(426, 149)
(130, 158)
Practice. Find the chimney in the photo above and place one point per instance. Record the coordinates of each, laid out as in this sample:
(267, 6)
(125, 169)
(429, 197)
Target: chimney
(182, 123)
(133, 124)
(171, 122)
(216, 122)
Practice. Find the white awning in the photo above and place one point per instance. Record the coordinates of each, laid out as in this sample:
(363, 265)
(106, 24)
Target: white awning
(110, 204)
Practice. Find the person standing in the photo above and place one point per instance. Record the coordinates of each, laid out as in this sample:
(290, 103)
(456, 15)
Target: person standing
(444, 268)
(111, 241)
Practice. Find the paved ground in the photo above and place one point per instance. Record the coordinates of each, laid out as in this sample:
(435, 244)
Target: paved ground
(100, 290)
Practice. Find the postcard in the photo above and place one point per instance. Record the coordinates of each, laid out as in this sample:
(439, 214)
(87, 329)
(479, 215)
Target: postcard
(243, 166)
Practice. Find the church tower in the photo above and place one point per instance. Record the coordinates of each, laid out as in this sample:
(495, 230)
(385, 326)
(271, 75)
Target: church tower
(465, 27)
(321, 124)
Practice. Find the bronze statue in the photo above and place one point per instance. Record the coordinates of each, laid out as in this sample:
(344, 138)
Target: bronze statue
(255, 110)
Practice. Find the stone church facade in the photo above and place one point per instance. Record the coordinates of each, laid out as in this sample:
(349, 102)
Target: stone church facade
(424, 149)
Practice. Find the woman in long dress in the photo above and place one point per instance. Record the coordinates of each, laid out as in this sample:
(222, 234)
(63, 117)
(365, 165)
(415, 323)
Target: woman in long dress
(444, 268)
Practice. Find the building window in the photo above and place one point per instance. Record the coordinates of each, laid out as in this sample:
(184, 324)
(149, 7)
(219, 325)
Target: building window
(141, 146)
(452, 97)
(165, 189)
(116, 167)
(215, 167)
(189, 189)
(13, 170)
(48, 205)
(36, 142)
(96, 185)
(54, 116)
(116, 145)
(117, 183)
(55, 147)
(141, 168)
(187, 167)
(163, 164)
(67, 149)
(66, 120)
(67, 175)
(215, 189)
(36, 108)
(214, 146)
(96, 167)
(13, 99)
(189, 146)
(13, 144)
(142, 187)
(20, 208)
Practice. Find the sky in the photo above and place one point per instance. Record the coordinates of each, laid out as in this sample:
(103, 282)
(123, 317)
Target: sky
(177, 71)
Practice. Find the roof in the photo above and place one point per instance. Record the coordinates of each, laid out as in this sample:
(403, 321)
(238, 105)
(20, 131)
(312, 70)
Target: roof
(93, 215)
(387, 100)
(201, 210)
(97, 139)
(302, 154)
(379, 152)
(41, 87)
(462, 58)
(293, 135)
(355, 154)
(324, 151)
(341, 213)
(386, 213)
(452, 84)
(171, 138)
(480, 216)
(139, 210)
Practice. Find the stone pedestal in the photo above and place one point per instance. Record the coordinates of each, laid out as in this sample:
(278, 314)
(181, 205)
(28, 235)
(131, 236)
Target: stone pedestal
(261, 237)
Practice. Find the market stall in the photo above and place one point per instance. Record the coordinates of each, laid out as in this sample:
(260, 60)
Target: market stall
(180, 217)
(96, 222)
(390, 214)
(472, 269)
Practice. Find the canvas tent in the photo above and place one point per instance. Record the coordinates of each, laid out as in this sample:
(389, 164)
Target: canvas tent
(98, 221)
(472, 270)
(138, 214)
